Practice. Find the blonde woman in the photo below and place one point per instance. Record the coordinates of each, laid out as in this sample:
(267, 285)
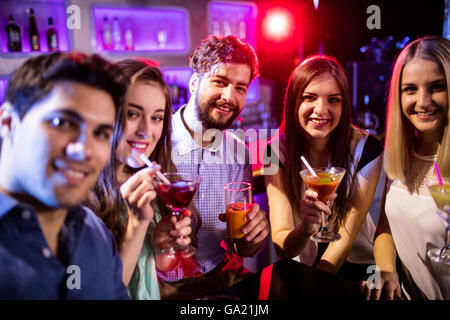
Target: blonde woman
(417, 136)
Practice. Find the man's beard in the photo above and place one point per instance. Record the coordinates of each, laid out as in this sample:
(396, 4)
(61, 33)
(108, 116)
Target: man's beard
(204, 110)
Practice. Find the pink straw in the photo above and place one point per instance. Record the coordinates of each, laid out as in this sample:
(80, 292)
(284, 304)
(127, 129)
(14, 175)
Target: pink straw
(438, 173)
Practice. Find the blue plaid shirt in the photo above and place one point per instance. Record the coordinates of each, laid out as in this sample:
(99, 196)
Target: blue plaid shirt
(87, 251)
(225, 160)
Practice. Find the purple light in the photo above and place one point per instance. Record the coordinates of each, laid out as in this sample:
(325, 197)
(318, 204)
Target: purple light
(233, 18)
(42, 10)
(3, 83)
(153, 29)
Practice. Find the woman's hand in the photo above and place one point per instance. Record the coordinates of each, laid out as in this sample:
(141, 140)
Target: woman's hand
(138, 191)
(389, 286)
(170, 230)
(311, 210)
(167, 232)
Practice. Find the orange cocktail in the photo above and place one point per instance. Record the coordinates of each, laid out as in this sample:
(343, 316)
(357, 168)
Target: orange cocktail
(325, 184)
(238, 202)
(236, 214)
(324, 181)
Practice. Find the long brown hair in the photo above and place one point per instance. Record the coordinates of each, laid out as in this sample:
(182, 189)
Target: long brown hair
(296, 138)
(105, 198)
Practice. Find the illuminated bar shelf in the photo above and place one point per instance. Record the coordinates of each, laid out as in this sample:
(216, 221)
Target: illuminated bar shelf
(235, 18)
(238, 19)
(42, 10)
(154, 29)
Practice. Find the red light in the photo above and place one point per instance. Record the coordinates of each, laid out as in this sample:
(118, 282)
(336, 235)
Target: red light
(277, 24)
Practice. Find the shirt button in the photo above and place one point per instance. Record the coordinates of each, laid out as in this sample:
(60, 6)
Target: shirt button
(46, 252)
(26, 214)
(202, 196)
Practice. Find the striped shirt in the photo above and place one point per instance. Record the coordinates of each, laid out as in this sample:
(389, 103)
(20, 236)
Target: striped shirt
(225, 160)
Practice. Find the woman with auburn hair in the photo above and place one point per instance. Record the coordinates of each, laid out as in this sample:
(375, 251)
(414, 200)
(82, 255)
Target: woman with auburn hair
(125, 197)
(417, 136)
(316, 124)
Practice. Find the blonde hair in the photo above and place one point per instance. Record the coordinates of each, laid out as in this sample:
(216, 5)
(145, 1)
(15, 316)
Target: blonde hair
(399, 131)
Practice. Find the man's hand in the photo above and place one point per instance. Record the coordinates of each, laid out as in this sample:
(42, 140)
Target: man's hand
(255, 231)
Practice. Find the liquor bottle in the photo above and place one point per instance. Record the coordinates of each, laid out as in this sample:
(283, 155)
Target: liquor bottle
(116, 34)
(227, 25)
(107, 34)
(242, 29)
(14, 38)
(52, 36)
(175, 91)
(34, 35)
(128, 35)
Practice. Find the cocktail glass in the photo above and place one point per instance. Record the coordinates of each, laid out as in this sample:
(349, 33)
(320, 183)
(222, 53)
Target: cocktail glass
(177, 197)
(325, 184)
(441, 196)
(238, 202)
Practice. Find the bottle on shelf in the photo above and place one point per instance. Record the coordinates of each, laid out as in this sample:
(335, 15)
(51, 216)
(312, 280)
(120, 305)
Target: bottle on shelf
(242, 27)
(116, 34)
(14, 37)
(52, 36)
(175, 91)
(227, 25)
(34, 35)
(128, 35)
(107, 34)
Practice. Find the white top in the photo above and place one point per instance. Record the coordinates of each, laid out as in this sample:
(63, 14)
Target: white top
(416, 227)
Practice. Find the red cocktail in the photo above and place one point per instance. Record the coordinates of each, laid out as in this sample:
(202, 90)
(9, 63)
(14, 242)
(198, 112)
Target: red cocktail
(177, 195)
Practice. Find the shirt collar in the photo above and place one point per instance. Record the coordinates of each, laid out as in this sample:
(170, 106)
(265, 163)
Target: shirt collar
(182, 141)
(6, 204)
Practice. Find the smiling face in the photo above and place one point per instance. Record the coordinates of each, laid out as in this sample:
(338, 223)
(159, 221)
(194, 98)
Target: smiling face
(220, 95)
(424, 96)
(321, 107)
(60, 146)
(145, 120)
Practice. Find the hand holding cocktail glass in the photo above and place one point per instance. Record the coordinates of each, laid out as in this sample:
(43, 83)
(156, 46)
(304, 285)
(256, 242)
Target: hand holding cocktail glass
(324, 181)
(176, 189)
(247, 224)
(439, 189)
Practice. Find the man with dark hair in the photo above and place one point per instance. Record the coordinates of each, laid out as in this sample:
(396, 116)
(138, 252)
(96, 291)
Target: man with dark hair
(223, 70)
(57, 125)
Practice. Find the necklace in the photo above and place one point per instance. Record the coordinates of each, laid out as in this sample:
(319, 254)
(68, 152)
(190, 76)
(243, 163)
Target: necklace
(432, 157)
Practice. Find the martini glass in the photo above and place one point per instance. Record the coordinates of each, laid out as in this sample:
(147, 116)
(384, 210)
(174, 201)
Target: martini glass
(177, 195)
(441, 196)
(325, 184)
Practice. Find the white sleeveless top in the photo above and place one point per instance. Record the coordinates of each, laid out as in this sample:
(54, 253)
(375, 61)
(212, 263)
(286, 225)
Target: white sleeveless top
(416, 228)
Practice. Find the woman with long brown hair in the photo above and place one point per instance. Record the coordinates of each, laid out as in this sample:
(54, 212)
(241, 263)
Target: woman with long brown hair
(125, 197)
(317, 125)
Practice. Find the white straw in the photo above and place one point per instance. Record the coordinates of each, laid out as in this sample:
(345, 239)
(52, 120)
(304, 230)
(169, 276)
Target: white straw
(308, 166)
(150, 165)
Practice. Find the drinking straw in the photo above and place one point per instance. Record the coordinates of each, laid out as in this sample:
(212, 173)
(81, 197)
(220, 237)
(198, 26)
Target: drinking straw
(150, 165)
(308, 166)
(438, 173)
